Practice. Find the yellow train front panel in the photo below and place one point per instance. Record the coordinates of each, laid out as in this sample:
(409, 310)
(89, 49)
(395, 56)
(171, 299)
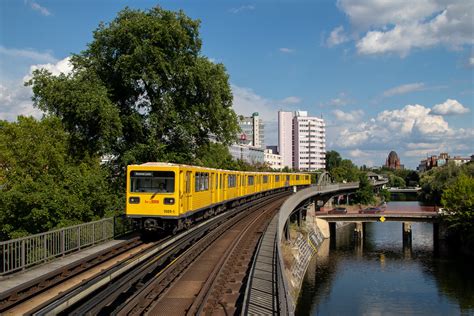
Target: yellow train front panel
(152, 190)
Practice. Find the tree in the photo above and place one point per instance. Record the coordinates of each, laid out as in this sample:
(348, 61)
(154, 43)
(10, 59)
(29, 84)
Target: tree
(345, 171)
(436, 180)
(333, 160)
(395, 181)
(41, 187)
(365, 193)
(81, 102)
(158, 97)
(458, 199)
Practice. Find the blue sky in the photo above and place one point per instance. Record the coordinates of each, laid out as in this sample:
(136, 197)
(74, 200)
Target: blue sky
(385, 76)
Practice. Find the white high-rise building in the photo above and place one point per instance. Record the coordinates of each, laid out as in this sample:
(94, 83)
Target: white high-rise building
(302, 140)
(285, 138)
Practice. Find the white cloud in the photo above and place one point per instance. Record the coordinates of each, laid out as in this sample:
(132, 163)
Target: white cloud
(470, 61)
(341, 100)
(242, 8)
(352, 116)
(337, 37)
(401, 26)
(348, 138)
(450, 107)
(357, 153)
(62, 66)
(364, 14)
(28, 54)
(404, 89)
(413, 118)
(291, 100)
(15, 98)
(35, 6)
(286, 50)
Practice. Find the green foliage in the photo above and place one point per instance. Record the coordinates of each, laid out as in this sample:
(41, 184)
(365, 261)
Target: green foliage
(458, 199)
(81, 102)
(365, 193)
(436, 180)
(41, 187)
(346, 171)
(385, 195)
(333, 160)
(395, 181)
(215, 156)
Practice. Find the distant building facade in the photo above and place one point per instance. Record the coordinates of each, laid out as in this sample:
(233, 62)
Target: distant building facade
(273, 159)
(249, 154)
(441, 160)
(253, 131)
(393, 161)
(302, 140)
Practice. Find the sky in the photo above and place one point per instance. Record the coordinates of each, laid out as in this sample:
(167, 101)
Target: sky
(385, 75)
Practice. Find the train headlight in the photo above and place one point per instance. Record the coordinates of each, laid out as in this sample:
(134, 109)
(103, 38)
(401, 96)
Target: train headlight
(134, 200)
(168, 201)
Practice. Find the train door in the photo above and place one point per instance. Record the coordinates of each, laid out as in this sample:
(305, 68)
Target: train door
(212, 187)
(187, 198)
(224, 186)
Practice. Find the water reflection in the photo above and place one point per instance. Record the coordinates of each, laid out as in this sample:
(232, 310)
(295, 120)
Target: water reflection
(382, 276)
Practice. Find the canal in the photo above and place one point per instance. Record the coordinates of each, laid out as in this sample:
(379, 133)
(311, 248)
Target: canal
(382, 277)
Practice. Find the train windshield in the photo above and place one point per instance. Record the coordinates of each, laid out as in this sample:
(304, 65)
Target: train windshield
(152, 181)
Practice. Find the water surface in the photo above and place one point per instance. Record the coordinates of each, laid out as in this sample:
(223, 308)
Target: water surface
(381, 276)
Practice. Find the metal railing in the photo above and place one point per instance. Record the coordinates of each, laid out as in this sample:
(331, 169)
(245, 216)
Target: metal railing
(22, 253)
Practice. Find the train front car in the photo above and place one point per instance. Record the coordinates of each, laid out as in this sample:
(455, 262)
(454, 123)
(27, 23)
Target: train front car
(153, 196)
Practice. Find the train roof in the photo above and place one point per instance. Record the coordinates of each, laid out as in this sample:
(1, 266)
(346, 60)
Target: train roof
(169, 164)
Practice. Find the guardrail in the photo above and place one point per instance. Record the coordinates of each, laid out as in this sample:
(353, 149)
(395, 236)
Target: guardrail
(23, 253)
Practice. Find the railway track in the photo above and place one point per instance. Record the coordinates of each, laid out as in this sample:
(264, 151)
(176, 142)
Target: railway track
(209, 276)
(138, 284)
(20, 299)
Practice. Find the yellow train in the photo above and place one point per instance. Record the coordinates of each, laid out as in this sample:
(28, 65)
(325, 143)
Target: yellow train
(170, 197)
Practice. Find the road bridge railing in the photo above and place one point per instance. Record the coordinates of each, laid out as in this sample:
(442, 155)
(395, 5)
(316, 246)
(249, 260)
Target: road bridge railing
(24, 253)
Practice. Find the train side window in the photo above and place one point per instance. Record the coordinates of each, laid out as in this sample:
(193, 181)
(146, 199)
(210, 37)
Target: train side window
(277, 178)
(220, 182)
(250, 180)
(188, 181)
(231, 180)
(265, 179)
(297, 178)
(287, 178)
(201, 181)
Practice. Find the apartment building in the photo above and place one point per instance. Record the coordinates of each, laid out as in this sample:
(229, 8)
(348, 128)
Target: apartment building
(302, 140)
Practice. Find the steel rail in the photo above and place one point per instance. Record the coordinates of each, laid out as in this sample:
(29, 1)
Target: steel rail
(202, 303)
(26, 291)
(141, 301)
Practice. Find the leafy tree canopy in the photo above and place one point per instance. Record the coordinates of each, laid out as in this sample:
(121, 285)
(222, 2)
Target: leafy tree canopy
(40, 186)
(142, 89)
(458, 199)
(333, 160)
